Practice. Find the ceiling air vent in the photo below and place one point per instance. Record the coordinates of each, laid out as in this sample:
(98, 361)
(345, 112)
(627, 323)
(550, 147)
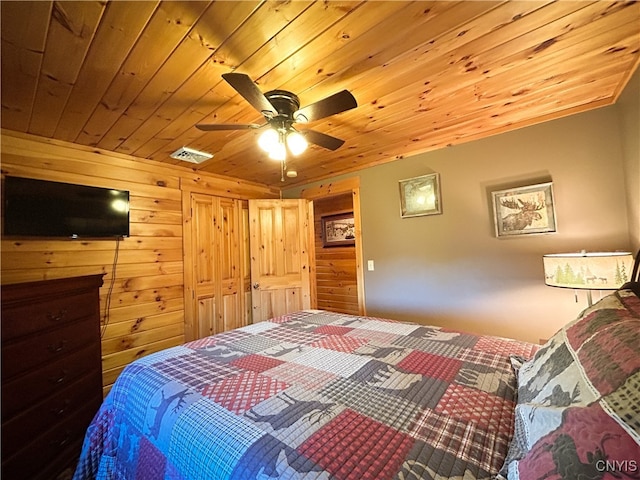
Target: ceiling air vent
(190, 155)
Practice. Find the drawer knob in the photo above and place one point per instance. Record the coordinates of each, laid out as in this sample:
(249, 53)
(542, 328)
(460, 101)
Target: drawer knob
(59, 379)
(56, 317)
(56, 348)
(62, 442)
(58, 412)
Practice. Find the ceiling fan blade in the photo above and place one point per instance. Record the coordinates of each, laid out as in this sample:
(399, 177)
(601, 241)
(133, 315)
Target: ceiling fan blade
(250, 92)
(211, 127)
(322, 139)
(336, 103)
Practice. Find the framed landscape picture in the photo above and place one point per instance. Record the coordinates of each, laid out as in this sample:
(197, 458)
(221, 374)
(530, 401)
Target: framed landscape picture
(524, 210)
(338, 230)
(420, 196)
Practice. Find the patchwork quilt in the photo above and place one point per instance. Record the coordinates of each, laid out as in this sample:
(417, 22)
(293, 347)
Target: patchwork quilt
(311, 395)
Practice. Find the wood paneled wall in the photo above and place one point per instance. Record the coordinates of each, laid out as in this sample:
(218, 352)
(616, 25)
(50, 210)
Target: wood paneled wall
(146, 302)
(336, 271)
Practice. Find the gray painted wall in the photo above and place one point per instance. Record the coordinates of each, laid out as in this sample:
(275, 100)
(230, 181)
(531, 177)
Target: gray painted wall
(629, 111)
(451, 270)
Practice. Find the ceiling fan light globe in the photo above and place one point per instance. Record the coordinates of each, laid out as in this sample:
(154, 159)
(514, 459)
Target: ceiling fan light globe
(268, 140)
(297, 143)
(278, 152)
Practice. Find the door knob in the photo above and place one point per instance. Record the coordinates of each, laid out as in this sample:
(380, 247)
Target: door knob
(256, 286)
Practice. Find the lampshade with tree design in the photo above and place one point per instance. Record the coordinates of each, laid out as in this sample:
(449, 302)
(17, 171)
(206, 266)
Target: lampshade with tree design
(588, 270)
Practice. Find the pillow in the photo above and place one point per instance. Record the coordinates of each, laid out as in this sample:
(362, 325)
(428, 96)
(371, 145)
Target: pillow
(578, 408)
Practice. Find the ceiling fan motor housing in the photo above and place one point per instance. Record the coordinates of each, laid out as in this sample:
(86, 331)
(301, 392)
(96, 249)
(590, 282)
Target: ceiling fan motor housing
(286, 103)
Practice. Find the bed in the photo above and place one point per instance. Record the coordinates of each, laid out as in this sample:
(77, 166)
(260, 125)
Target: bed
(321, 395)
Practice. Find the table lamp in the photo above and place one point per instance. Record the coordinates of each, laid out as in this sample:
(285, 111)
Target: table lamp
(588, 271)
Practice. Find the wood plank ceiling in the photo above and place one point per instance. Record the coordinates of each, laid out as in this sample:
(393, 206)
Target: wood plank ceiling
(135, 77)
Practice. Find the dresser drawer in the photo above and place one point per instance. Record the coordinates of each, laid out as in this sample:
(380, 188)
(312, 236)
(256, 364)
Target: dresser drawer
(27, 353)
(63, 441)
(37, 316)
(18, 432)
(22, 392)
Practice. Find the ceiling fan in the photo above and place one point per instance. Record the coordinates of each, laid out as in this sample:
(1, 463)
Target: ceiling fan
(281, 109)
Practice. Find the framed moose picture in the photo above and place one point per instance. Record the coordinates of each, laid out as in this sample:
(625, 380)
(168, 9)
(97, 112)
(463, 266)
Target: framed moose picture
(524, 210)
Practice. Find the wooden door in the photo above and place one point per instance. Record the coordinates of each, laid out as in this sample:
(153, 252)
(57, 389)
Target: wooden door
(245, 263)
(203, 266)
(213, 274)
(229, 245)
(280, 239)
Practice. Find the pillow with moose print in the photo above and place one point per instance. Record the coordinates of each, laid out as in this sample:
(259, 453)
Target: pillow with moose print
(578, 409)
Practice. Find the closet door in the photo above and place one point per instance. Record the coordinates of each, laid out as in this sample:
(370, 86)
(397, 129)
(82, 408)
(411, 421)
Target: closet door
(203, 267)
(245, 263)
(229, 278)
(213, 274)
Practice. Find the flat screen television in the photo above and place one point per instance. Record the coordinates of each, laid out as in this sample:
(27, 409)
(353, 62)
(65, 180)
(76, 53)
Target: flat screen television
(41, 208)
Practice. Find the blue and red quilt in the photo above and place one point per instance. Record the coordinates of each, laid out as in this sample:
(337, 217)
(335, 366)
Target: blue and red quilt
(311, 395)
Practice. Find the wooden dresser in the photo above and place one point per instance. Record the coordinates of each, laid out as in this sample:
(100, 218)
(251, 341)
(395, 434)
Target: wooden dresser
(51, 373)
